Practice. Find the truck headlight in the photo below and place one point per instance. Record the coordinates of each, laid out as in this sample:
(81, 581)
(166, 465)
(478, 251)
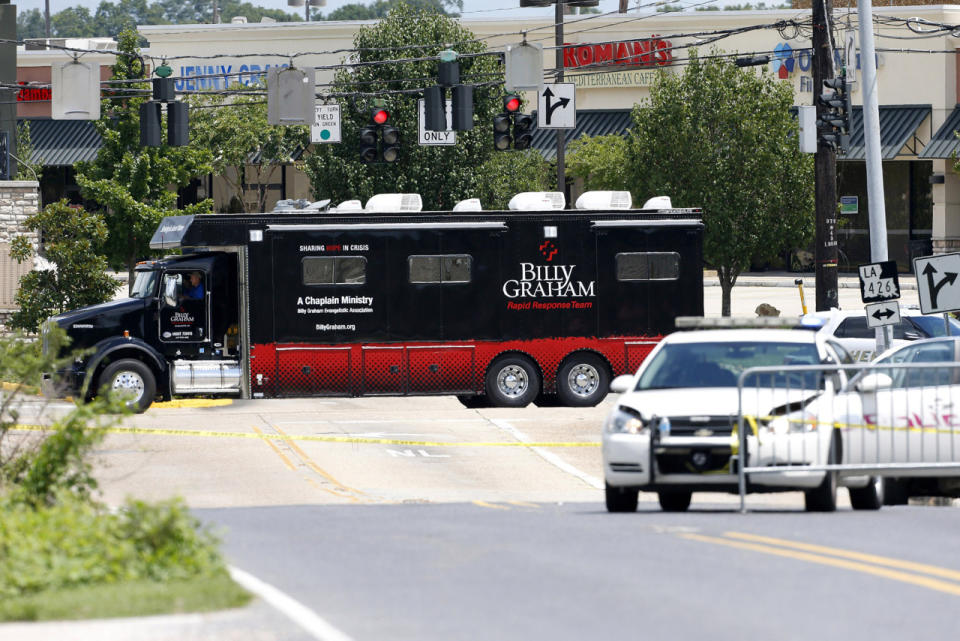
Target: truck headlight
(791, 424)
(625, 421)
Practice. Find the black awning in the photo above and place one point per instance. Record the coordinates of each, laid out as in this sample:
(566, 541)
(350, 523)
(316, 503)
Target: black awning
(63, 142)
(898, 125)
(592, 122)
(945, 142)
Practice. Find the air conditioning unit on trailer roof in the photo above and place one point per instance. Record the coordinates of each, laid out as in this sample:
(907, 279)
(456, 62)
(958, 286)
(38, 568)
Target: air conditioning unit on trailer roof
(385, 203)
(470, 204)
(349, 205)
(658, 202)
(537, 201)
(604, 200)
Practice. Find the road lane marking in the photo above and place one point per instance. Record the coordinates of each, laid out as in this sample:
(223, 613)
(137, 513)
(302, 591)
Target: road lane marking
(549, 457)
(314, 438)
(297, 612)
(191, 402)
(273, 446)
(523, 504)
(921, 568)
(316, 468)
(492, 506)
(894, 575)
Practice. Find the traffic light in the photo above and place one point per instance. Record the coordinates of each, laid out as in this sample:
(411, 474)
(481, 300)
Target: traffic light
(379, 141)
(462, 108)
(521, 124)
(178, 124)
(434, 111)
(150, 124)
(833, 124)
(522, 131)
(501, 132)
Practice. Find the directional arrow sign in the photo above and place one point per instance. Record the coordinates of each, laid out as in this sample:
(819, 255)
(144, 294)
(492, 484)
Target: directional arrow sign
(880, 314)
(937, 282)
(556, 106)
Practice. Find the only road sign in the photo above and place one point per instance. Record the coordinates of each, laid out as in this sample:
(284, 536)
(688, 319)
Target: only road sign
(556, 106)
(879, 281)
(880, 314)
(937, 282)
(326, 124)
(429, 137)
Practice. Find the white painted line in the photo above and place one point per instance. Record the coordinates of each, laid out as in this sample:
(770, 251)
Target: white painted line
(391, 421)
(549, 457)
(300, 614)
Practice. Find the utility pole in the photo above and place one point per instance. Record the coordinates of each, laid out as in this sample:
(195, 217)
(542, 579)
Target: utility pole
(561, 133)
(825, 167)
(8, 76)
(46, 16)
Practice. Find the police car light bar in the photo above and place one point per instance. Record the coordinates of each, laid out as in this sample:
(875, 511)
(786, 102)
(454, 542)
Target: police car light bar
(741, 322)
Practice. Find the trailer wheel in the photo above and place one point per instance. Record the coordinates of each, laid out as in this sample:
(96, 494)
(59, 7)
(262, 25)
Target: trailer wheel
(512, 381)
(582, 380)
(473, 401)
(133, 380)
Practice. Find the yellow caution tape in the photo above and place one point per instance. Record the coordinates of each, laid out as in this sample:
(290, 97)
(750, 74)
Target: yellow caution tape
(315, 438)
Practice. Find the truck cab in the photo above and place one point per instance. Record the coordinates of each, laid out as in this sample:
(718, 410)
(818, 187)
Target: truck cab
(169, 337)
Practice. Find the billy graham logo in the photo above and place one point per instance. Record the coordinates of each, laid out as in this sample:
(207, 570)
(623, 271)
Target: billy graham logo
(548, 249)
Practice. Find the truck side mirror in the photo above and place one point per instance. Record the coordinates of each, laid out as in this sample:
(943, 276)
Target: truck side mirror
(874, 382)
(171, 291)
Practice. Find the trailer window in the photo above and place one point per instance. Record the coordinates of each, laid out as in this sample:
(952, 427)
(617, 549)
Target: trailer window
(334, 270)
(453, 268)
(648, 266)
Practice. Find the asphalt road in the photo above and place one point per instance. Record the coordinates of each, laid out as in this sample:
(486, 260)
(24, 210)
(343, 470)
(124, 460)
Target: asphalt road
(415, 518)
(419, 519)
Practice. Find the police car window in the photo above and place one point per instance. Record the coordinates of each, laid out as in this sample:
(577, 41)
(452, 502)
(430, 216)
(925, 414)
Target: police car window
(932, 326)
(648, 266)
(932, 353)
(334, 270)
(854, 327)
(842, 353)
(900, 330)
(452, 268)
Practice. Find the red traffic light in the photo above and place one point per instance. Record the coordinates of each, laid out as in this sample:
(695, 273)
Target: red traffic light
(511, 103)
(380, 116)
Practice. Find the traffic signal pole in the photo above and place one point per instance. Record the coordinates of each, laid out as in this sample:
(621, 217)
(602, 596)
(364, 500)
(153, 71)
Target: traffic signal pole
(825, 169)
(561, 133)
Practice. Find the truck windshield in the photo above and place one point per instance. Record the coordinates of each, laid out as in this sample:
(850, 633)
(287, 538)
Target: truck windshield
(145, 284)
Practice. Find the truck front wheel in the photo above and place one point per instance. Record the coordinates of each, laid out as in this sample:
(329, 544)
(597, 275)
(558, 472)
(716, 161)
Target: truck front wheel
(132, 380)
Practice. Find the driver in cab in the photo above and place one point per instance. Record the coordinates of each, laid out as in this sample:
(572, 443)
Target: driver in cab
(193, 288)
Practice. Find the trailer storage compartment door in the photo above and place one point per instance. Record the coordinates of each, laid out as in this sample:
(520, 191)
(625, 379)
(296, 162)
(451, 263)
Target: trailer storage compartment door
(440, 369)
(384, 370)
(313, 371)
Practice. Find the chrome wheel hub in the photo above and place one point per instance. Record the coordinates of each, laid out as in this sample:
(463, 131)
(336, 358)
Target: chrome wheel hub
(512, 381)
(583, 380)
(130, 384)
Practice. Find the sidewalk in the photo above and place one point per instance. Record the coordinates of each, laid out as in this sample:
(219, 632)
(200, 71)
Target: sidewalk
(787, 279)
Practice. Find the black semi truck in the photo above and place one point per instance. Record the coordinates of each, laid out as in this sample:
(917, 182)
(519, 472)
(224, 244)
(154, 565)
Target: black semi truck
(496, 307)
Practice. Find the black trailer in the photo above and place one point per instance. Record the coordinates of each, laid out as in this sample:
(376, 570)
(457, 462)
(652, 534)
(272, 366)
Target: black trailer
(498, 307)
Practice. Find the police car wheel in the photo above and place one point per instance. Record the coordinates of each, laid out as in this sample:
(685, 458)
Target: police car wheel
(132, 380)
(621, 499)
(583, 380)
(869, 497)
(512, 381)
(823, 498)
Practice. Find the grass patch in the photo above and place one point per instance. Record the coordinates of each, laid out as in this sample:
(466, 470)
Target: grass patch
(127, 599)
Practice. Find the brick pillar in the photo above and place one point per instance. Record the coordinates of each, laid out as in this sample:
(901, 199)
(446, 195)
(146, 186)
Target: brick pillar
(19, 199)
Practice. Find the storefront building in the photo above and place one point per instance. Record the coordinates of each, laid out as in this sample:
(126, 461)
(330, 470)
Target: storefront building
(613, 60)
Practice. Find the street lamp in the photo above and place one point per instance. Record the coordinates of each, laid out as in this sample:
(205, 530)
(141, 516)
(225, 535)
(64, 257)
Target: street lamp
(308, 3)
(558, 36)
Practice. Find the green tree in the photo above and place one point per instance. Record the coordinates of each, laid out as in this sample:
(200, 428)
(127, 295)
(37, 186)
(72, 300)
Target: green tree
(441, 175)
(249, 150)
(74, 22)
(601, 161)
(132, 183)
(30, 24)
(722, 138)
(28, 168)
(72, 242)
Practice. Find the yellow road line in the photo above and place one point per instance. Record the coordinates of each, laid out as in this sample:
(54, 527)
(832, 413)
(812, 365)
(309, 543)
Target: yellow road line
(318, 439)
(492, 506)
(523, 504)
(851, 554)
(273, 446)
(894, 575)
(191, 402)
(312, 465)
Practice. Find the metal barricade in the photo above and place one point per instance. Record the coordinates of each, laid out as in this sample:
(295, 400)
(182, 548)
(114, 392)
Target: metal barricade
(796, 424)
